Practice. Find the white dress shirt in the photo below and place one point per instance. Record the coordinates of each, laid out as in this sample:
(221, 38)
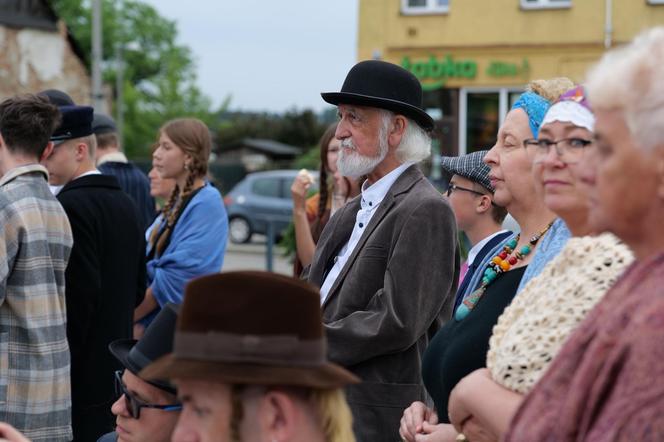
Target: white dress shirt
(472, 253)
(372, 196)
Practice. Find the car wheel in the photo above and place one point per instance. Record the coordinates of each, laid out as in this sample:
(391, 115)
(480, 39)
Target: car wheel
(239, 230)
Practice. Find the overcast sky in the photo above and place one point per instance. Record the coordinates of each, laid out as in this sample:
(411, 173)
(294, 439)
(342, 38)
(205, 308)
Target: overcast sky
(268, 55)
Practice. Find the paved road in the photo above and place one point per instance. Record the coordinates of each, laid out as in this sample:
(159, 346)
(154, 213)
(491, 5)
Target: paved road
(252, 257)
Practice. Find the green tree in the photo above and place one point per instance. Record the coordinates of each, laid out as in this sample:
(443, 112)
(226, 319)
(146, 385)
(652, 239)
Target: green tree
(159, 74)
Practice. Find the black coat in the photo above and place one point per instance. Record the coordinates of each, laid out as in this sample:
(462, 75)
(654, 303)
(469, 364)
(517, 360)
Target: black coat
(105, 281)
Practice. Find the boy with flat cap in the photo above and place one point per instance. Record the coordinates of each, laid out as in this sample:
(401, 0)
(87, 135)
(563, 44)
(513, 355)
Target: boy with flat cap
(249, 363)
(105, 278)
(35, 244)
(470, 194)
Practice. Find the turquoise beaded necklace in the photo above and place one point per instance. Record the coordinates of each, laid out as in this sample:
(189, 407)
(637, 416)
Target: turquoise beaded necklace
(498, 265)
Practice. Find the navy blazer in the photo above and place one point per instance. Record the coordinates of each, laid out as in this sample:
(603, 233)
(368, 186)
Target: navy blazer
(493, 242)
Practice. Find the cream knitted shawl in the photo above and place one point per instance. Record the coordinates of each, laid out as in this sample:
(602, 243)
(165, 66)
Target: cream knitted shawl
(533, 328)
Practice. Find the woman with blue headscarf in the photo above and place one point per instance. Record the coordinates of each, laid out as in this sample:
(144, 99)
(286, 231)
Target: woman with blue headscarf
(460, 347)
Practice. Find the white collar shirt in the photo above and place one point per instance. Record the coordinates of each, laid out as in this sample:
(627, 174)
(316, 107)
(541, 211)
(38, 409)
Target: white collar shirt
(372, 196)
(472, 253)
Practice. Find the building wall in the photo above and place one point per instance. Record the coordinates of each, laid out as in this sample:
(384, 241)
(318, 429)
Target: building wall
(552, 41)
(474, 60)
(32, 60)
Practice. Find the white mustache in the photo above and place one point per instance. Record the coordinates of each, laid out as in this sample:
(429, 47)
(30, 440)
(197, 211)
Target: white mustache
(348, 144)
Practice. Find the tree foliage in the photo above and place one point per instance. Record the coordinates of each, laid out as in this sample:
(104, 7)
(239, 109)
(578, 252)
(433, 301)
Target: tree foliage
(297, 128)
(159, 74)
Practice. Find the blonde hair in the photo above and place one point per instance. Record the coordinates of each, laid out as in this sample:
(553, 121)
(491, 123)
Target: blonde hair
(550, 88)
(329, 406)
(630, 78)
(335, 417)
(193, 137)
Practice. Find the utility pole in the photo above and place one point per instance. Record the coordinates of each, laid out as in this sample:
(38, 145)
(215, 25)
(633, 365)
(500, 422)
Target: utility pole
(97, 94)
(119, 85)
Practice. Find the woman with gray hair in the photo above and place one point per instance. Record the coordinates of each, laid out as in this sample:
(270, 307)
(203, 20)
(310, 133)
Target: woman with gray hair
(605, 383)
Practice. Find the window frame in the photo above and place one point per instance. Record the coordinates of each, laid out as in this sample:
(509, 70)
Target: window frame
(655, 2)
(545, 4)
(429, 9)
(503, 108)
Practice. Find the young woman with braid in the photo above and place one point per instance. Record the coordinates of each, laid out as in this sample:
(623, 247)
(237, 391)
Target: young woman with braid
(188, 238)
(311, 214)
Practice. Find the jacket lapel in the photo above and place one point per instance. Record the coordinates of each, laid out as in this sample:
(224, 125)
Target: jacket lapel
(342, 225)
(403, 184)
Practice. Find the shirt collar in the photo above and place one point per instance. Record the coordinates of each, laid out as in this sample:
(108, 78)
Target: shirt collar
(373, 194)
(113, 157)
(472, 253)
(91, 172)
(22, 170)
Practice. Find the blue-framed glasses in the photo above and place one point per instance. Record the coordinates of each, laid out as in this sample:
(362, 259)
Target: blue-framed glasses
(134, 404)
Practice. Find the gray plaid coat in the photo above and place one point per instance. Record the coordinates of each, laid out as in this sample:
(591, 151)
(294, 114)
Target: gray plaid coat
(35, 243)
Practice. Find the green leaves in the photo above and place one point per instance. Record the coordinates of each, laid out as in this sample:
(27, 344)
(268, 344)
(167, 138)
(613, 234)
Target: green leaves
(159, 74)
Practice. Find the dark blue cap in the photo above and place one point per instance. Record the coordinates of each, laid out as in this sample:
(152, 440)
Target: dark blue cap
(103, 124)
(76, 123)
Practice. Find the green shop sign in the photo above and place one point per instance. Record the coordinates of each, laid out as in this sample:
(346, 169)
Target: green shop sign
(438, 71)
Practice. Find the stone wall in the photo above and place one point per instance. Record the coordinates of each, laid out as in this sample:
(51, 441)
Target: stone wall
(32, 60)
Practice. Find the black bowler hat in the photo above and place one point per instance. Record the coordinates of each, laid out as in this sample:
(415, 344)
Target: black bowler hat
(76, 123)
(155, 343)
(57, 97)
(103, 124)
(383, 85)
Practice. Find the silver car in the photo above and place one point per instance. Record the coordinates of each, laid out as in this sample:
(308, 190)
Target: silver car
(260, 199)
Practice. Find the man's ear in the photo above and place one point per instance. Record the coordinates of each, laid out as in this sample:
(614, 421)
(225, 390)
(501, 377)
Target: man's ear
(279, 416)
(47, 151)
(82, 151)
(484, 204)
(397, 130)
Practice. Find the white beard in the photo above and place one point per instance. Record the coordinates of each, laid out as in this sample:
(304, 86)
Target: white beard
(353, 165)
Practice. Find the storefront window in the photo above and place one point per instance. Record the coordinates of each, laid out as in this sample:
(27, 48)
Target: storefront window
(482, 120)
(481, 112)
(513, 97)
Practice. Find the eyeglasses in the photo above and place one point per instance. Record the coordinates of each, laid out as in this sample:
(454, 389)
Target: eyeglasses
(453, 187)
(569, 150)
(134, 404)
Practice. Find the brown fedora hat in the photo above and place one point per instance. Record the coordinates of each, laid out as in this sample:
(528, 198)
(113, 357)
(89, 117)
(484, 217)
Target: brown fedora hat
(250, 327)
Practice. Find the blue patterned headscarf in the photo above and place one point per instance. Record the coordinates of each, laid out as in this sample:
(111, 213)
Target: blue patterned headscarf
(535, 107)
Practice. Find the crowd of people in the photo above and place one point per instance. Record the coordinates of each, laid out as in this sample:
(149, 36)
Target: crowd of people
(115, 323)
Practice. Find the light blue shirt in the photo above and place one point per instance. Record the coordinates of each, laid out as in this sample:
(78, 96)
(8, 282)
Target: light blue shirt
(372, 196)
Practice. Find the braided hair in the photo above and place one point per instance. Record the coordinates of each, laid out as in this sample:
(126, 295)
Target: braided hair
(193, 137)
(324, 193)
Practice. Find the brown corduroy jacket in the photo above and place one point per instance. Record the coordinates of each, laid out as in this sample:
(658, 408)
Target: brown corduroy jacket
(393, 294)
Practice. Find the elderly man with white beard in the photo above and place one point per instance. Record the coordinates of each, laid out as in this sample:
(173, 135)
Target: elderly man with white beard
(387, 262)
